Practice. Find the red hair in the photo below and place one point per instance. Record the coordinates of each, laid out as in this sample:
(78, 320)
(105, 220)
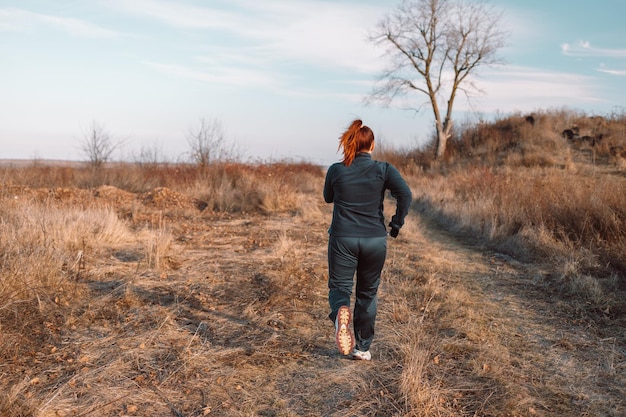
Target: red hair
(357, 138)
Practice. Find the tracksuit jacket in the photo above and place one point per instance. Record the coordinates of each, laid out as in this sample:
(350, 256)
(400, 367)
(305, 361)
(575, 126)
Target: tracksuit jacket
(358, 192)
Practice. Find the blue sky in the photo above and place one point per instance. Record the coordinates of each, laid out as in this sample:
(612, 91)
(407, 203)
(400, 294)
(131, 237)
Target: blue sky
(284, 77)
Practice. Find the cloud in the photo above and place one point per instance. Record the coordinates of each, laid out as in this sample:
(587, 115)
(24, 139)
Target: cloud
(326, 35)
(211, 71)
(301, 48)
(19, 20)
(181, 15)
(512, 88)
(613, 72)
(585, 49)
(603, 69)
(525, 88)
(216, 75)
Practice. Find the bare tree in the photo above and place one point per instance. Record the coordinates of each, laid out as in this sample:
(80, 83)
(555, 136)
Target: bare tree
(97, 145)
(433, 46)
(150, 156)
(207, 142)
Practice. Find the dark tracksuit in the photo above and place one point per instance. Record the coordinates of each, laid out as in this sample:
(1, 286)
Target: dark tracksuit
(358, 236)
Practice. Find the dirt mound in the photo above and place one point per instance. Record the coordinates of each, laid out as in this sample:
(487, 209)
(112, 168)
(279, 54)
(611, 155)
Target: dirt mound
(57, 194)
(159, 198)
(13, 191)
(164, 198)
(68, 195)
(114, 195)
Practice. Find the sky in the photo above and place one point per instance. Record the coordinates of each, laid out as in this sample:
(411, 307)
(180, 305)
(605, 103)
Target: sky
(283, 78)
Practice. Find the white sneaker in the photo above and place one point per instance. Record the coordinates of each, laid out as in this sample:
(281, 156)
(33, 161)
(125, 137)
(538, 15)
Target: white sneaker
(343, 334)
(361, 356)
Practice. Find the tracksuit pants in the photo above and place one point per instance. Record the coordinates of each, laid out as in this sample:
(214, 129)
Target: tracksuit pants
(365, 257)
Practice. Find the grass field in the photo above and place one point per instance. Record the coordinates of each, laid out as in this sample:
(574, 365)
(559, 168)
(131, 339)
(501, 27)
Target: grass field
(167, 289)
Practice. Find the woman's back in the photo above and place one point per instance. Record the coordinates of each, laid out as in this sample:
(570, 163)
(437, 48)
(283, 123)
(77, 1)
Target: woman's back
(358, 192)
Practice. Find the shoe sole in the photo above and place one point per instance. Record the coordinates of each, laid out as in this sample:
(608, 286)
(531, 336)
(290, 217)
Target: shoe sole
(343, 334)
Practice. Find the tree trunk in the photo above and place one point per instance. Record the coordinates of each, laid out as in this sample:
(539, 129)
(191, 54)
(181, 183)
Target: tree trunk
(444, 129)
(442, 141)
(443, 134)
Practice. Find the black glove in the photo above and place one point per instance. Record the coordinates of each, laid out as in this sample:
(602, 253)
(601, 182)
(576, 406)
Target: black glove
(394, 230)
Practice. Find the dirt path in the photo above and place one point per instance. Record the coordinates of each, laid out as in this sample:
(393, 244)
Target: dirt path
(267, 297)
(550, 359)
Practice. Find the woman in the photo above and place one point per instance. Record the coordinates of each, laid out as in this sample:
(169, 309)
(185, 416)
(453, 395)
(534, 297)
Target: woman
(358, 236)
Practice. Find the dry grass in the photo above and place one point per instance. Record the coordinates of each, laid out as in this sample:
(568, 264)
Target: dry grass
(44, 245)
(564, 218)
(527, 191)
(49, 250)
(172, 290)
